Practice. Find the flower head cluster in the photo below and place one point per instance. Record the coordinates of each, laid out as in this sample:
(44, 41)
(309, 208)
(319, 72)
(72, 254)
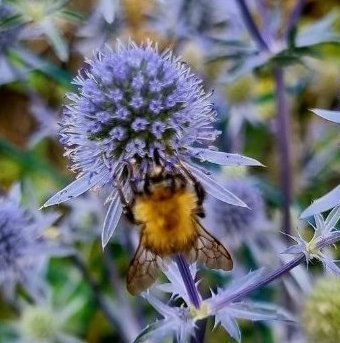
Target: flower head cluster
(132, 104)
(321, 312)
(23, 249)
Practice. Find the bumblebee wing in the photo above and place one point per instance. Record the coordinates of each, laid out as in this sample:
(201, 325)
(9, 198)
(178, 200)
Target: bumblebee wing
(209, 251)
(143, 270)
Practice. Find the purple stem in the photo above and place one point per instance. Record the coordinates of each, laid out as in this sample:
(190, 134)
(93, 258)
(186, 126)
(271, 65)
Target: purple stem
(267, 279)
(250, 24)
(188, 280)
(283, 140)
(335, 237)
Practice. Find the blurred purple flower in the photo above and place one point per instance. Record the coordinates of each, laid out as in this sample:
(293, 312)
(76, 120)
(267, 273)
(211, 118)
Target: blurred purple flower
(238, 225)
(24, 249)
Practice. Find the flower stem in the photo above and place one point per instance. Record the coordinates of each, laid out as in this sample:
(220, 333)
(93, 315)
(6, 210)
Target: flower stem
(283, 141)
(194, 296)
(188, 280)
(328, 241)
(251, 26)
(266, 280)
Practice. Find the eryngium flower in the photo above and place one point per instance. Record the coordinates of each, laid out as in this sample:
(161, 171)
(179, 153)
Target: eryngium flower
(22, 247)
(131, 104)
(238, 223)
(321, 313)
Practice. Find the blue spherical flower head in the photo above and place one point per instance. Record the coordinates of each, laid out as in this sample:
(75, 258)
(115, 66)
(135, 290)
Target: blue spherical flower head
(131, 102)
(129, 105)
(24, 249)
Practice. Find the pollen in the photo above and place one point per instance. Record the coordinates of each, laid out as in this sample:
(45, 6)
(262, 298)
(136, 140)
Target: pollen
(167, 222)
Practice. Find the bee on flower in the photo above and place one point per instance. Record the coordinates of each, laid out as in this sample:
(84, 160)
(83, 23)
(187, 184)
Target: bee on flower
(135, 122)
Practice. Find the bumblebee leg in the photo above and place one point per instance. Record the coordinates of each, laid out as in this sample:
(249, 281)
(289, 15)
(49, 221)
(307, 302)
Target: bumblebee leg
(127, 207)
(127, 210)
(199, 211)
(200, 193)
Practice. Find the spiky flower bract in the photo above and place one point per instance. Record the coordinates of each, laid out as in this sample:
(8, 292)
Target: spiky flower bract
(321, 312)
(44, 18)
(325, 230)
(130, 105)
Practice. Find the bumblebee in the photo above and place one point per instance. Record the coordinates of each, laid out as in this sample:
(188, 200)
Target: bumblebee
(167, 205)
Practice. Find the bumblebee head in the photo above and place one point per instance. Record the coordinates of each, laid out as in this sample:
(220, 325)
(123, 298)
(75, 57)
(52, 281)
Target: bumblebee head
(159, 184)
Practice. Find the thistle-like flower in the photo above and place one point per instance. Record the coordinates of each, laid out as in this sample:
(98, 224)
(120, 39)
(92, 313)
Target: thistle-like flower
(181, 322)
(228, 304)
(238, 224)
(324, 232)
(23, 249)
(321, 313)
(132, 104)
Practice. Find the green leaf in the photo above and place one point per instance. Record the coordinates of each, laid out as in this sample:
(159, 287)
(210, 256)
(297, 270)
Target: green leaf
(10, 22)
(71, 16)
(33, 61)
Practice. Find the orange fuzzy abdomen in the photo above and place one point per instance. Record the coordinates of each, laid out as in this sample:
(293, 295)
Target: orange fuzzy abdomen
(167, 224)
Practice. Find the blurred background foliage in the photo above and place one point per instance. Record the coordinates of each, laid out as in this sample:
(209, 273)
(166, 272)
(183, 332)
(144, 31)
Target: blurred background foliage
(56, 37)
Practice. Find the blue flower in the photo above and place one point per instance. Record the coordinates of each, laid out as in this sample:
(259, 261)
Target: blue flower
(23, 247)
(238, 225)
(152, 103)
